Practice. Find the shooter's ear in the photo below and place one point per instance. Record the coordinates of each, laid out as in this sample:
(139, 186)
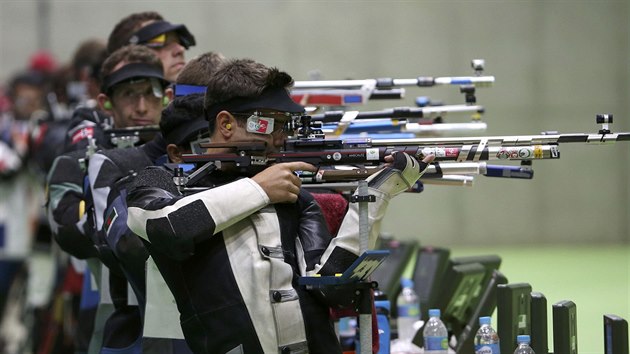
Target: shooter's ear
(225, 123)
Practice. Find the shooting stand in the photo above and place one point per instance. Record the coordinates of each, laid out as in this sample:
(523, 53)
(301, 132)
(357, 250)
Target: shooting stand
(356, 278)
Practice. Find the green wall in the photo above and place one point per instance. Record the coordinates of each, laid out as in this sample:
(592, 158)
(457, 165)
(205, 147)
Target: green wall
(557, 64)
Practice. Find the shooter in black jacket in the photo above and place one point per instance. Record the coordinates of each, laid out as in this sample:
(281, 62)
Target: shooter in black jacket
(232, 254)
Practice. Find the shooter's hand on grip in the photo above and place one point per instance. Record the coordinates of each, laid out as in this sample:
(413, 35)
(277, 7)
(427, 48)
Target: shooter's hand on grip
(402, 172)
(280, 182)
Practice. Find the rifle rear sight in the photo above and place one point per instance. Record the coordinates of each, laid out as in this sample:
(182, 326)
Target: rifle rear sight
(303, 127)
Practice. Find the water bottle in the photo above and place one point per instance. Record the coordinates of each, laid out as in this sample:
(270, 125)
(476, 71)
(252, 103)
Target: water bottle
(486, 339)
(435, 334)
(382, 305)
(408, 311)
(523, 345)
(347, 331)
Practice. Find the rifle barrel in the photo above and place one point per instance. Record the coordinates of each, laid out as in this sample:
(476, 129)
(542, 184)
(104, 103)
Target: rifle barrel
(451, 180)
(389, 130)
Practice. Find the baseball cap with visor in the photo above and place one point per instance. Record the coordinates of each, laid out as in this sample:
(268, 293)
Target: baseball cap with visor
(270, 112)
(159, 33)
(135, 72)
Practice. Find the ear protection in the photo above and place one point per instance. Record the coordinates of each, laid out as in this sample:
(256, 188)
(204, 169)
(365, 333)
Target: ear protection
(107, 104)
(165, 101)
(228, 126)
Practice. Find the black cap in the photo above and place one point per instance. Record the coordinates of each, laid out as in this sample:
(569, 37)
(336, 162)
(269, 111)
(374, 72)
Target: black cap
(276, 98)
(133, 71)
(154, 29)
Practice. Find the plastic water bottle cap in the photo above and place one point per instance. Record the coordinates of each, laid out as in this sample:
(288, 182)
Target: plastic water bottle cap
(422, 101)
(406, 282)
(485, 320)
(523, 338)
(434, 313)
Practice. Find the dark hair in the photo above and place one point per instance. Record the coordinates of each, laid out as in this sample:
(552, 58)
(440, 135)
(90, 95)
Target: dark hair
(242, 78)
(89, 55)
(183, 111)
(199, 69)
(125, 28)
(59, 82)
(28, 78)
(130, 54)
(188, 110)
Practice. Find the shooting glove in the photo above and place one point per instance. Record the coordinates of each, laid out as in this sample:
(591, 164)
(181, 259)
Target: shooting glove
(400, 176)
(383, 185)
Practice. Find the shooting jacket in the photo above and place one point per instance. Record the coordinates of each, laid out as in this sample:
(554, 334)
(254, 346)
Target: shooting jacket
(108, 172)
(77, 226)
(232, 260)
(66, 185)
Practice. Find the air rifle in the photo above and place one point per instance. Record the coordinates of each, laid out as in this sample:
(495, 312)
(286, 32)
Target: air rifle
(386, 83)
(310, 146)
(414, 120)
(351, 92)
(429, 112)
(345, 177)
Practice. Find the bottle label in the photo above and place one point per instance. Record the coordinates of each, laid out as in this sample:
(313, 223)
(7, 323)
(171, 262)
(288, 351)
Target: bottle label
(411, 310)
(487, 349)
(435, 343)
